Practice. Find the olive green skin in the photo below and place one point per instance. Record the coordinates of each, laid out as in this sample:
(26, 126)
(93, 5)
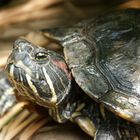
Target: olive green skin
(104, 57)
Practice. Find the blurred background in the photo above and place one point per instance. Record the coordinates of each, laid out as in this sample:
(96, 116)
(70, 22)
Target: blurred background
(20, 17)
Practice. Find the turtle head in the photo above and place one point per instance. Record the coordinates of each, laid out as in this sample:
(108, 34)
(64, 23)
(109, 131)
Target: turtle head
(39, 75)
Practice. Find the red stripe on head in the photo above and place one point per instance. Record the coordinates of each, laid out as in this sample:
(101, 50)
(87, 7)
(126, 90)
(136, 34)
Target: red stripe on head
(63, 66)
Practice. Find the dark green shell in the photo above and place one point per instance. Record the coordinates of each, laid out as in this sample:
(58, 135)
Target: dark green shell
(104, 56)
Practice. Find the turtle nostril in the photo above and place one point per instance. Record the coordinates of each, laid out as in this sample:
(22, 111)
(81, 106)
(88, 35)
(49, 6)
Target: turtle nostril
(22, 45)
(18, 43)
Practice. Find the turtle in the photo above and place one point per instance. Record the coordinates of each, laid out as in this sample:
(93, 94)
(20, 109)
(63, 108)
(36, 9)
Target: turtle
(100, 57)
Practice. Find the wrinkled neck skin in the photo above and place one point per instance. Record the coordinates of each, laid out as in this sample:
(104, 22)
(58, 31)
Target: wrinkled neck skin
(78, 104)
(63, 111)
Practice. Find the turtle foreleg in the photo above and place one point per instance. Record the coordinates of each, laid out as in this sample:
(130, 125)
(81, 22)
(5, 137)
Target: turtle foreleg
(84, 123)
(105, 131)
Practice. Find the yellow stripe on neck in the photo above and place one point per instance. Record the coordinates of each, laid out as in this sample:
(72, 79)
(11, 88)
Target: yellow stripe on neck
(49, 81)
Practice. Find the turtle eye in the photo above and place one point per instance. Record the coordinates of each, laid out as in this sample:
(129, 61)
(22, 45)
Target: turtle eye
(41, 56)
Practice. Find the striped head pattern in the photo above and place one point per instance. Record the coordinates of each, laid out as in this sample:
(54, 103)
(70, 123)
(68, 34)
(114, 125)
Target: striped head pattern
(39, 75)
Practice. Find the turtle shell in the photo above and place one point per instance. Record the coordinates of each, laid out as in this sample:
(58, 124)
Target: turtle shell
(104, 57)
